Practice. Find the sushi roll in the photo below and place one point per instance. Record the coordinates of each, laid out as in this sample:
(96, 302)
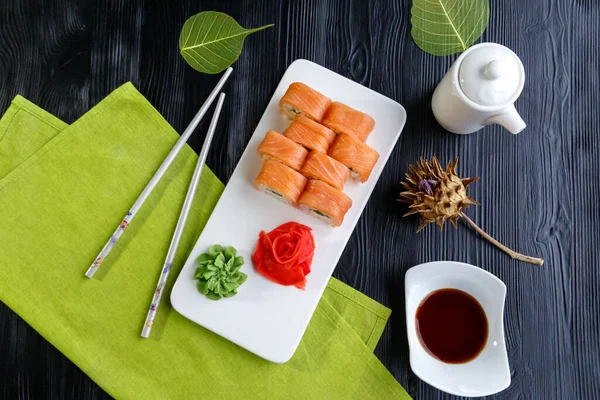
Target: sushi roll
(321, 166)
(277, 146)
(345, 119)
(325, 202)
(280, 181)
(302, 99)
(355, 155)
(310, 134)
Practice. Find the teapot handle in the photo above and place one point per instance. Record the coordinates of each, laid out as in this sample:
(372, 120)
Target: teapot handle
(510, 119)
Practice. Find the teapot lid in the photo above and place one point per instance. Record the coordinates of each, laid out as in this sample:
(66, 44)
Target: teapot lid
(491, 74)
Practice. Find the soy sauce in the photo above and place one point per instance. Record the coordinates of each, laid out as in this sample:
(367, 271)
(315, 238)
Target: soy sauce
(452, 326)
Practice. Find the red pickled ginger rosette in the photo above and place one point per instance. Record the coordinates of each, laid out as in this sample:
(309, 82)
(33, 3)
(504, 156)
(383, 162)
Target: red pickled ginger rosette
(285, 254)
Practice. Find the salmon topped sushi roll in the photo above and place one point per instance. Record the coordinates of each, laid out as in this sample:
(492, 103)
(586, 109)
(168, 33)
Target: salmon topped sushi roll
(345, 119)
(322, 130)
(310, 134)
(302, 99)
(277, 146)
(355, 155)
(325, 202)
(280, 181)
(321, 166)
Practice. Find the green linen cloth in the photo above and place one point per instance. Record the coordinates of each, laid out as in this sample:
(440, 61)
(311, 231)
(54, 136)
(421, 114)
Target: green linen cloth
(64, 188)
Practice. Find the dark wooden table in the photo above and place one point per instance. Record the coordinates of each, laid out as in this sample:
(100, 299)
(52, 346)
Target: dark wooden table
(539, 190)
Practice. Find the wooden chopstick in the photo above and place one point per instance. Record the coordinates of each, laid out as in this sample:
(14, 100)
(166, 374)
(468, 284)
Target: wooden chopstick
(162, 280)
(157, 176)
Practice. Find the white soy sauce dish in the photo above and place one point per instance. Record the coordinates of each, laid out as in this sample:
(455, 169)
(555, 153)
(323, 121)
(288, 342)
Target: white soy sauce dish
(439, 363)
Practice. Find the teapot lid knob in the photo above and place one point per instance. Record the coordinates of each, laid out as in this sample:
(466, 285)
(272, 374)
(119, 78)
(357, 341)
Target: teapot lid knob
(494, 69)
(491, 75)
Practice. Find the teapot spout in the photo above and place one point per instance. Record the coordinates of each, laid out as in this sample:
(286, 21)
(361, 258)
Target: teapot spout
(510, 119)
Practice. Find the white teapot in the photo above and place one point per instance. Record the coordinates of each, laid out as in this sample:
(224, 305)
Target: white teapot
(480, 89)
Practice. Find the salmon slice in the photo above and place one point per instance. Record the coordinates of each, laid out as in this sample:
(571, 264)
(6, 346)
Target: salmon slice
(345, 119)
(280, 181)
(322, 130)
(277, 146)
(355, 155)
(302, 99)
(325, 202)
(321, 166)
(310, 134)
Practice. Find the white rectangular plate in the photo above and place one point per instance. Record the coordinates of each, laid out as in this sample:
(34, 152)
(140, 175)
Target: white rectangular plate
(266, 318)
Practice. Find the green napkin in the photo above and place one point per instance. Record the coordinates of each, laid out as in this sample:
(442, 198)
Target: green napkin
(64, 188)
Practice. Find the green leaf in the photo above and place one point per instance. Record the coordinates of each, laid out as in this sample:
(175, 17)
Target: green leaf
(204, 259)
(230, 252)
(202, 269)
(213, 296)
(215, 250)
(221, 289)
(220, 261)
(211, 41)
(208, 274)
(443, 27)
(239, 261)
(212, 283)
(202, 287)
(229, 264)
(243, 278)
(230, 294)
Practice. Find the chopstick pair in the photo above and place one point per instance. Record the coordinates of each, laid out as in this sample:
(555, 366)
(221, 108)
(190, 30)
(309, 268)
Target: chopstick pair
(157, 176)
(186, 204)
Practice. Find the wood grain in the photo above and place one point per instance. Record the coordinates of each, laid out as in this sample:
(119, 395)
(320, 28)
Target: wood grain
(538, 190)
